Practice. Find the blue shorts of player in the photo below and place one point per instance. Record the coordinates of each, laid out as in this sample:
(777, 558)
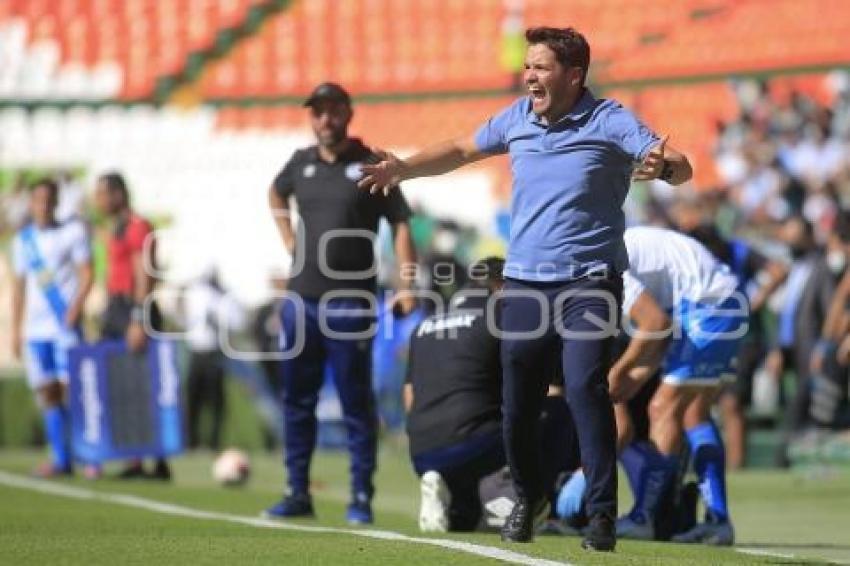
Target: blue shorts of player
(47, 360)
(706, 348)
(350, 360)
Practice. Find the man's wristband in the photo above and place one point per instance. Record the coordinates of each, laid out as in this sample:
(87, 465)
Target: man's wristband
(137, 313)
(666, 172)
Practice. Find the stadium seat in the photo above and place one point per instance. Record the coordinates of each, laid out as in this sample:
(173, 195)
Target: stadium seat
(756, 36)
(102, 49)
(452, 45)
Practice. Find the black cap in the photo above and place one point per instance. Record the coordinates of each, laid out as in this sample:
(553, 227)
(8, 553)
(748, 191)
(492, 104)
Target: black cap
(328, 91)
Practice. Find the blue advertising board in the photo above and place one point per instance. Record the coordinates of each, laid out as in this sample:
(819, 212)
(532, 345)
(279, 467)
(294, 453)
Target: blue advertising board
(124, 405)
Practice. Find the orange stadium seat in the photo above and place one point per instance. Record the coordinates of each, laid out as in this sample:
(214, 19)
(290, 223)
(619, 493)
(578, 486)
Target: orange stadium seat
(814, 86)
(391, 124)
(142, 39)
(744, 36)
(378, 46)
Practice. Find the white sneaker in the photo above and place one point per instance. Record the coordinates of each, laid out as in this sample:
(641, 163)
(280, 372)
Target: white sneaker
(628, 528)
(716, 534)
(434, 505)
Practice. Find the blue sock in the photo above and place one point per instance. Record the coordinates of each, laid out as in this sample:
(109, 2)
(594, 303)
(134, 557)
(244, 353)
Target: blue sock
(709, 460)
(55, 429)
(653, 481)
(633, 460)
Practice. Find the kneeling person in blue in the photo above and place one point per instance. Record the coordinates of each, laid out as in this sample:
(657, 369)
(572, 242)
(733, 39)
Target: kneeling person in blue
(686, 317)
(53, 276)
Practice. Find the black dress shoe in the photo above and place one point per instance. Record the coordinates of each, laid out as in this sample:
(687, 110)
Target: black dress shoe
(600, 534)
(524, 518)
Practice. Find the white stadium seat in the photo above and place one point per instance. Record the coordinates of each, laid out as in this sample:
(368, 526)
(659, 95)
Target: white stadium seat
(38, 70)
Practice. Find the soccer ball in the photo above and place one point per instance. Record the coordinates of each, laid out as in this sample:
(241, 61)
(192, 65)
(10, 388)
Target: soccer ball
(231, 468)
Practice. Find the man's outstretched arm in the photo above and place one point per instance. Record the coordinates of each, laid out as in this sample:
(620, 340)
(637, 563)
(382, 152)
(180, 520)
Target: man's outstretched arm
(435, 160)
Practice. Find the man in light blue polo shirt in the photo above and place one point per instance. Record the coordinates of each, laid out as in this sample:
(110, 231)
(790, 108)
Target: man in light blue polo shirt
(572, 157)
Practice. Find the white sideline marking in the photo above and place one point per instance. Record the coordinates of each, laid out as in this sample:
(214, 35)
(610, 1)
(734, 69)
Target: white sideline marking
(785, 555)
(43, 486)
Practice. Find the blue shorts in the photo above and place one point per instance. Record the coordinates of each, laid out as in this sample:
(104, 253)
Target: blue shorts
(704, 350)
(47, 360)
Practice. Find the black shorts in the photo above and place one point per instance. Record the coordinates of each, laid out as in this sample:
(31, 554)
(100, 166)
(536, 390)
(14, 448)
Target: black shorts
(750, 356)
(116, 317)
(639, 407)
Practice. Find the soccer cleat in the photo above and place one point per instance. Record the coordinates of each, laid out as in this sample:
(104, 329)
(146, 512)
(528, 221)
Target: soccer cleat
(524, 519)
(600, 535)
(296, 505)
(434, 503)
(635, 528)
(710, 532)
(359, 511)
(50, 470)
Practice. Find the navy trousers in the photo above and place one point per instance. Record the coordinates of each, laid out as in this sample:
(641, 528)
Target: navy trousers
(576, 320)
(303, 375)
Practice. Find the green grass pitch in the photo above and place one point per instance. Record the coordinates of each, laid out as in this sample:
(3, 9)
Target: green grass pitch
(789, 517)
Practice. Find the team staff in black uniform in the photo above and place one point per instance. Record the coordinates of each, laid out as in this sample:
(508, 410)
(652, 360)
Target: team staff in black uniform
(332, 271)
(453, 396)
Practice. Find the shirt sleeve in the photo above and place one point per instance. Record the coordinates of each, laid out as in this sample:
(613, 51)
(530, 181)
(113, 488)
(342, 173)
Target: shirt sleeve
(284, 182)
(492, 136)
(631, 135)
(81, 246)
(632, 288)
(19, 262)
(394, 207)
